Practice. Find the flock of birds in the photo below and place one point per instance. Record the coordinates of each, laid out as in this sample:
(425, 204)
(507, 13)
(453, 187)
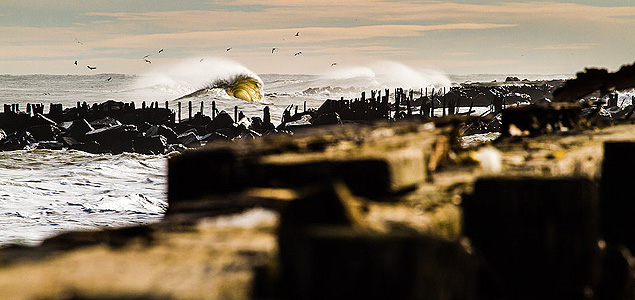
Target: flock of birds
(145, 58)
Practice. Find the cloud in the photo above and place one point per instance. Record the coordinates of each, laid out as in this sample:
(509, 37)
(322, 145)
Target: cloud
(568, 46)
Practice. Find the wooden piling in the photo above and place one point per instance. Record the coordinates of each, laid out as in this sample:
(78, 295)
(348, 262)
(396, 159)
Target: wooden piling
(189, 105)
(236, 113)
(28, 108)
(266, 116)
(304, 110)
(213, 109)
(166, 105)
(202, 107)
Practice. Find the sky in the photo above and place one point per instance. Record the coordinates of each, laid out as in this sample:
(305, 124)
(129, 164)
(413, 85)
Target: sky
(454, 37)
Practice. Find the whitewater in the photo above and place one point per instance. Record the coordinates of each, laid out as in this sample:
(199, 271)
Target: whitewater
(44, 192)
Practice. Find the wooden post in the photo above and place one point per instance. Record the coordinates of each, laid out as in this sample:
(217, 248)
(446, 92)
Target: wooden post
(202, 107)
(28, 108)
(236, 113)
(363, 96)
(166, 105)
(189, 104)
(179, 108)
(304, 110)
(266, 117)
(213, 109)
(469, 111)
(408, 104)
(432, 103)
(296, 110)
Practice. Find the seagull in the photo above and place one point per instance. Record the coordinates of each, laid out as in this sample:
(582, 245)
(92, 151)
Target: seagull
(160, 50)
(75, 62)
(108, 78)
(273, 49)
(228, 49)
(92, 68)
(333, 64)
(297, 53)
(78, 41)
(147, 61)
(201, 60)
(147, 55)
(297, 33)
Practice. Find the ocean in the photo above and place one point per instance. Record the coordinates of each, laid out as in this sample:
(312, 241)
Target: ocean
(45, 192)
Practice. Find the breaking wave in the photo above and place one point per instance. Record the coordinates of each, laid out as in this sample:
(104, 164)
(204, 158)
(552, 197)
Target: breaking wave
(349, 81)
(219, 77)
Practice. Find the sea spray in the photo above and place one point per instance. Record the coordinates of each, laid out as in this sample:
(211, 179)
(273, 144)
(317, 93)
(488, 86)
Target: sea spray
(192, 77)
(377, 75)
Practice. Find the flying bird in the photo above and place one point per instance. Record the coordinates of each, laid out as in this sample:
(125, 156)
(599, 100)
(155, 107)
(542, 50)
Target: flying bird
(228, 49)
(273, 49)
(160, 50)
(92, 68)
(297, 53)
(297, 33)
(78, 41)
(146, 56)
(75, 62)
(108, 79)
(333, 64)
(201, 60)
(146, 60)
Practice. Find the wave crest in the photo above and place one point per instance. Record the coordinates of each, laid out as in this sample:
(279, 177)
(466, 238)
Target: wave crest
(193, 77)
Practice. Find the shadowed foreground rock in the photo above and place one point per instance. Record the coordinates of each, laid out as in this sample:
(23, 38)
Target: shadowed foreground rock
(381, 210)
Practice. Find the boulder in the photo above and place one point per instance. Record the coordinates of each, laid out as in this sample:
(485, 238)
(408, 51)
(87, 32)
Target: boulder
(117, 138)
(104, 122)
(168, 133)
(78, 129)
(327, 119)
(189, 139)
(17, 141)
(90, 147)
(156, 144)
(214, 136)
(51, 145)
(44, 132)
(222, 120)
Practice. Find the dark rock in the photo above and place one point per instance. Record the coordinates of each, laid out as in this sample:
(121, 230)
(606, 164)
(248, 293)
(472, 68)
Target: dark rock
(104, 122)
(222, 120)
(117, 139)
(511, 78)
(39, 119)
(176, 148)
(90, 147)
(17, 141)
(295, 125)
(156, 144)
(78, 129)
(327, 119)
(189, 139)
(44, 132)
(214, 136)
(51, 145)
(168, 133)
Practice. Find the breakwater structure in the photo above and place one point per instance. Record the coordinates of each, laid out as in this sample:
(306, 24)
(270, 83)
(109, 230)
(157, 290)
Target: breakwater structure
(116, 127)
(373, 209)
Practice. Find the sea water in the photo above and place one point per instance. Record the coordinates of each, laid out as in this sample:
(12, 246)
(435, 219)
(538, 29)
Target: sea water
(44, 192)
